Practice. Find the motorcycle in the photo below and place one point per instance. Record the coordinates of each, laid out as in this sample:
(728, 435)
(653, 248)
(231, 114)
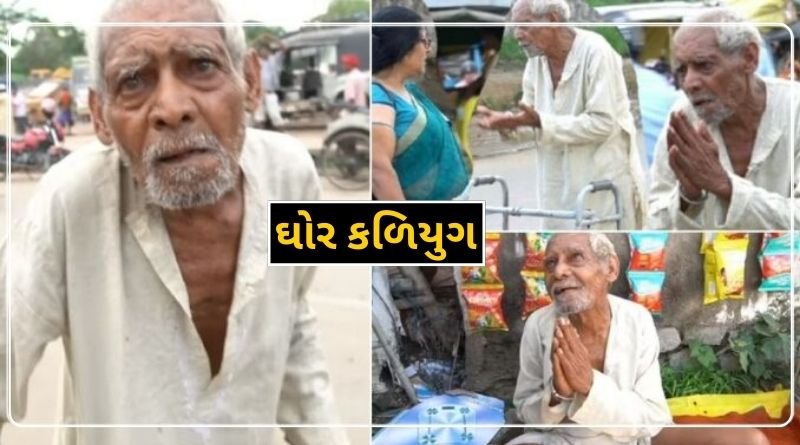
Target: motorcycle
(36, 150)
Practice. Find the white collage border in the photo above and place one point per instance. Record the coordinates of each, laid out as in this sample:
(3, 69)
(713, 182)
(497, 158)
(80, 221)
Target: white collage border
(369, 345)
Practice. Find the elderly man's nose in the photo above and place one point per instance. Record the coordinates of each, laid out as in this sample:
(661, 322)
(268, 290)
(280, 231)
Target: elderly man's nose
(691, 81)
(174, 106)
(561, 269)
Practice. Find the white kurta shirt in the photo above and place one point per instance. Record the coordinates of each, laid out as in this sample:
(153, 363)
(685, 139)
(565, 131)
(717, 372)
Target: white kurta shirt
(627, 392)
(93, 264)
(587, 132)
(762, 199)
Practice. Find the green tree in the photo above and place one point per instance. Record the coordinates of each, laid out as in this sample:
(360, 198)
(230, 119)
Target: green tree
(345, 11)
(48, 47)
(253, 32)
(9, 15)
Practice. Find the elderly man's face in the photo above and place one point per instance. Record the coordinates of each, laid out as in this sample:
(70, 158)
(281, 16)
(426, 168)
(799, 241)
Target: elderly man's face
(533, 39)
(574, 276)
(713, 81)
(174, 104)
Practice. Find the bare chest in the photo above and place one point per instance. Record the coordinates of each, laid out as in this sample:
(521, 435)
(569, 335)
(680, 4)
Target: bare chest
(740, 150)
(597, 351)
(555, 77)
(208, 269)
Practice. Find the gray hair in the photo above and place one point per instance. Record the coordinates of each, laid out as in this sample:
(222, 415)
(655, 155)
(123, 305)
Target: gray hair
(732, 37)
(544, 7)
(233, 34)
(602, 247)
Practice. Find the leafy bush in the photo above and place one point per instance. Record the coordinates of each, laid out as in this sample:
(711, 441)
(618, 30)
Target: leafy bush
(762, 350)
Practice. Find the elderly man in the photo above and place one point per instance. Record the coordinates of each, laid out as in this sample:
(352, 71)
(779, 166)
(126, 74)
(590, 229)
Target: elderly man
(723, 160)
(147, 256)
(568, 376)
(574, 96)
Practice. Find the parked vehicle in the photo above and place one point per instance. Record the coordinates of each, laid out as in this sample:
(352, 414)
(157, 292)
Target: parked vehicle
(324, 47)
(345, 157)
(317, 53)
(36, 150)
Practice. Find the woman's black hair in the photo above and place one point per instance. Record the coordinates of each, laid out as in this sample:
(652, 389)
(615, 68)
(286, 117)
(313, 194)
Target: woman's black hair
(391, 43)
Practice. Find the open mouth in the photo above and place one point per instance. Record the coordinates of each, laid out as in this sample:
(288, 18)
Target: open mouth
(558, 290)
(182, 155)
(701, 102)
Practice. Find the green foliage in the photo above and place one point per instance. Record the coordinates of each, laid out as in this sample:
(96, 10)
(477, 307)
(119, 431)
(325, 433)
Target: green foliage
(9, 16)
(253, 32)
(762, 350)
(48, 47)
(614, 38)
(511, 54)
(700, 380)
(703, 354)
(345, 11)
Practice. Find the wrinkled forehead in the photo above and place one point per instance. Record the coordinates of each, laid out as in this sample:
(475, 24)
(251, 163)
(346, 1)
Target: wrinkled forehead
(567, 242)
(133, 48)
(128, 41)
(694, 41)
(149, 11)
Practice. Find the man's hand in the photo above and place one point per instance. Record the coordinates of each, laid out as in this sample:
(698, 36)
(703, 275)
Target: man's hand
(529, 115)
(694, 157)
(495, 120)
(573, 358)
(560, 384)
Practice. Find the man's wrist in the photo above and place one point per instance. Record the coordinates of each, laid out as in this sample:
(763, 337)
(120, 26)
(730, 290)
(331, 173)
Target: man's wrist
(536, 120)
(724, 190)
(556, 396)
(694, 200)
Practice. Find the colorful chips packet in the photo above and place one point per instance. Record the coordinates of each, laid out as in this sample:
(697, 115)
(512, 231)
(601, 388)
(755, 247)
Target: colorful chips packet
(646, 289)
(646, 269)
(536, 295)
(776, 262)
(488, 274)
(484, 307)
(724, 264)
(535, 244)
(648, 250)
(482, 290)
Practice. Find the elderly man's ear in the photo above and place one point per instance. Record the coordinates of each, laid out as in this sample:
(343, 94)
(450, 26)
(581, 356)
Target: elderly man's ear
(613, 270)
(750, 54)
(98, 120)
(252, 77)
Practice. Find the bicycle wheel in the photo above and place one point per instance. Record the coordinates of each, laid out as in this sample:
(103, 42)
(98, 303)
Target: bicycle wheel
(345, 162)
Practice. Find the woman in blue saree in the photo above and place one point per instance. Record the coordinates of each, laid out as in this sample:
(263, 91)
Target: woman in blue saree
(415, 154)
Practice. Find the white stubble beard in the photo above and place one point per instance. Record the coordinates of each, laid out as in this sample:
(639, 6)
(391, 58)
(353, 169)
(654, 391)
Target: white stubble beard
(185, 187)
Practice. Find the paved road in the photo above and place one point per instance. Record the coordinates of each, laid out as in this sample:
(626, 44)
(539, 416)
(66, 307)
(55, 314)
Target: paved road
(339, 296)
(518, 170)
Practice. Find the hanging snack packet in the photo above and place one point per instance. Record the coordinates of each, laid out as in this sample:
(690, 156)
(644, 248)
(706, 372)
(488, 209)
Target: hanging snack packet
(709, 273)
(646, 287)
(730, 253)
(536, 296)
(776, 263)
(534, 250)
(771, 235)
(648, 250)
(487, 274)
(484, 308)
